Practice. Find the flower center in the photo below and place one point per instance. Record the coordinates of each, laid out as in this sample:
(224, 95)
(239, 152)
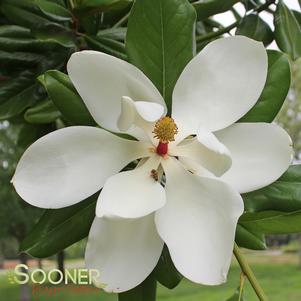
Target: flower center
(165, 130)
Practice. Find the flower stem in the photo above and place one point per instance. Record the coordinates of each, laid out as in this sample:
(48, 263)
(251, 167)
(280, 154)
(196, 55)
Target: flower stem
(249, 273)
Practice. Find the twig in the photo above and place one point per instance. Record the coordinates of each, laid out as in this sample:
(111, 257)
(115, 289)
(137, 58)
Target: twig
(246, 269)
(217, 33)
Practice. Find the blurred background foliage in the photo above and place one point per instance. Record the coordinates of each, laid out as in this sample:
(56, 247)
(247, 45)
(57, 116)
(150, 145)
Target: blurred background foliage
(37, 38)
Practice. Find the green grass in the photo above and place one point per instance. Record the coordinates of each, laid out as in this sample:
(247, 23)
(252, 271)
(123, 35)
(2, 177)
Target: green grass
(280, 277)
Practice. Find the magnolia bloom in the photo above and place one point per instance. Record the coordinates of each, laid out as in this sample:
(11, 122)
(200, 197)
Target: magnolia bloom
(185, 190)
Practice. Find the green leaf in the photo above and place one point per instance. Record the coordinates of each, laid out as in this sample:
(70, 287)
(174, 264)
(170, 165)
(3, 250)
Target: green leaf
(18, 102)
(146, 291)
(254, 27)
(247, 238)
(165, 271)
(282, 195)
(59, 228)
(42, 112)
(63, 94)
(54, 32)
(29, 133)
(107, 45)
(54, 11)
(287, 31)
(14, 31)
(23, 13)
(272, 222)
(100, 5)
(208, 8)
(14, 85)
(21, 44)
(160, 41)
(17, 38)
(118, 33)
(20, 58)
(274, 92)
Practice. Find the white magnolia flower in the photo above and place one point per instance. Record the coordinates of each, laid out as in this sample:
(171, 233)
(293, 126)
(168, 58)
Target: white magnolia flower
(196, 212)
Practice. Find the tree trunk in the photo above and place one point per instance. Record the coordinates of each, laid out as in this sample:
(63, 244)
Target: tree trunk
(25, 292)
(60, 262)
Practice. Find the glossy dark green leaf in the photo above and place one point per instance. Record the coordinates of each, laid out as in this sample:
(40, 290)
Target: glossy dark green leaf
(29, 133)
(20, 58)
(247, 238)
(287, 31)
(21, 44)
(14, 31)
(274, 92)
(282, 195)
(160, 40)
(54, 11)
(107, 45)
(59, 228)
(101, 5)
(53, 32)
(297, 16)
(165, 271)
(17, 38)
(63, 94)
(17, 103)
(275, 209)
(14, 85)
(23, 13)
(42, 112)
(146, 291)
(118, 33)
(256, 28)
(207, 8)
(272, 222)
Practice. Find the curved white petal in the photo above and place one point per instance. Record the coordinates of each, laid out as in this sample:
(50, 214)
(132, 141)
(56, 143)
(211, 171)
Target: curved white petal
(123, 251)
(102, 80)
(195, 168)
(220, 84)
(261, 153)
(68, 165)
(138, 118)
(149, 111)
(132, 194)
(206, 151)
(198, 223)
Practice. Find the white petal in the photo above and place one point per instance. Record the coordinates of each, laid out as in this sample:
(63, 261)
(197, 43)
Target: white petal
(261, 153)
(102, 80)
(198, 223)
(138, 117)
(132, 194)
(206, 151)
(149, 111)
(220, 84)
(68, 165)
(195, 168)
(124, 251)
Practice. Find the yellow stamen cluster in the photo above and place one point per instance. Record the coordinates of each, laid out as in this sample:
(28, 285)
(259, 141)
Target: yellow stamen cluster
(165, 129)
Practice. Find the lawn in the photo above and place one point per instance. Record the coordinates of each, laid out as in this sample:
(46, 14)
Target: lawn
(279, 275)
